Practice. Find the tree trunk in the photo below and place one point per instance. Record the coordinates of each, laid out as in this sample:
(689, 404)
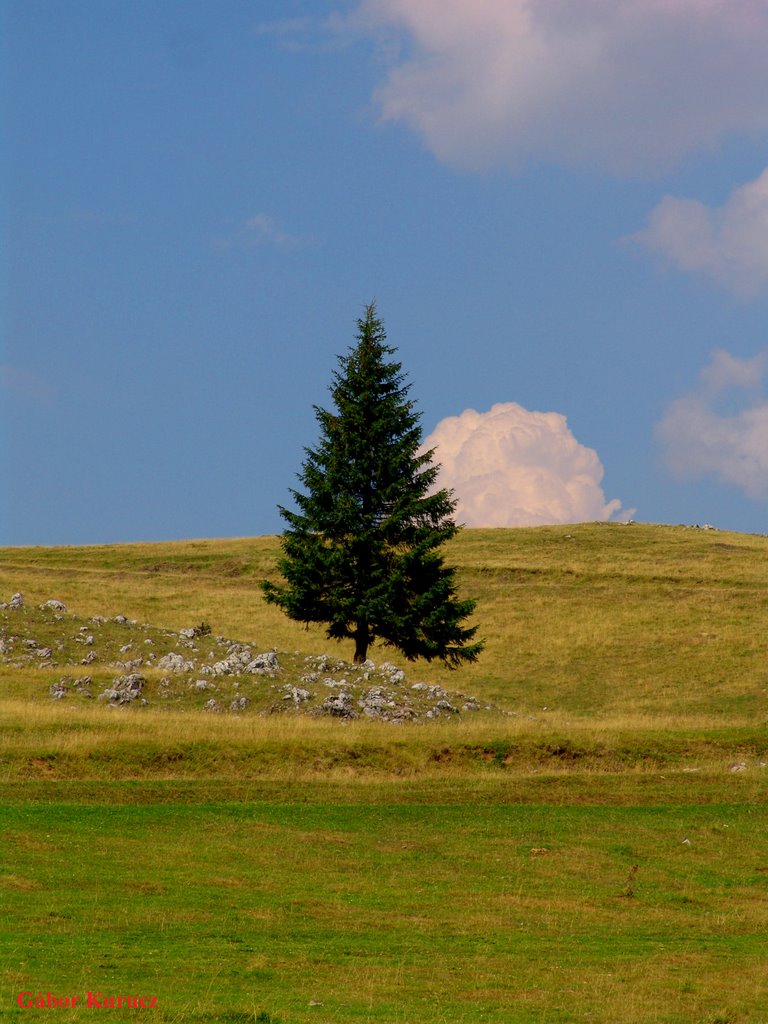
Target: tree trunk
(362, 639)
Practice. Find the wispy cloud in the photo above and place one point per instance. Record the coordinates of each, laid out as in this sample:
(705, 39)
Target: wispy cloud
(699, 437)
(631, 87)
(728, 243)
(304, 34)
(262, 229)
(512, 467)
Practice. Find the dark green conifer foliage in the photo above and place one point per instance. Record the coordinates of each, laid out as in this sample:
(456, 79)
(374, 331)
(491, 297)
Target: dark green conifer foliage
(361, 553)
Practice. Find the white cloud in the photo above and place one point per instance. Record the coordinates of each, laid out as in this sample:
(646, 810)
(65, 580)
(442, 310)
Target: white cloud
(631, 86)
(728, 243)
(512, 467)
(261, 229)
(700, 439)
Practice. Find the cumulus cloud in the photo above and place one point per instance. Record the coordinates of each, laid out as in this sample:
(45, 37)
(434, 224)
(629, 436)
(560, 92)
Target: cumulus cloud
(512, 467)
(728, 243)
(702, 434)
(631, 86)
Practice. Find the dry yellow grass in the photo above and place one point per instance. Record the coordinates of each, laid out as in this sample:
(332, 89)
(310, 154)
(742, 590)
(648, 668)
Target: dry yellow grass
(599, 619)
(55, 741)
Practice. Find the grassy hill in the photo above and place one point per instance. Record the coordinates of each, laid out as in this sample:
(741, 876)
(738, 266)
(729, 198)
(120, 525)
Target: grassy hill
(597, 853)
(596, 620)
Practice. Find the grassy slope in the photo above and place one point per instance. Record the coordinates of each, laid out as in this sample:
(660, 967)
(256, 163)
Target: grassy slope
(596, 620)
(459, 873)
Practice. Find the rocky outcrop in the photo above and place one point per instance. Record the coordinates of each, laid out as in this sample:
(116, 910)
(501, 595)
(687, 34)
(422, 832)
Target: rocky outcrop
(125, 689)
(186, 668)
(174, 662)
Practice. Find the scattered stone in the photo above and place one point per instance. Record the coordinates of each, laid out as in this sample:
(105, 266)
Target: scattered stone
(174, 662)
(17, 601)
(367, 668)
(324, 663)
(395, 674)
(83, 686)
(131, 665)
(124, 690)
(402, 714)
(60, 690)
(314, 685)
(339, 706)
(240, 660)
(740, 766)
(222, 668)
(297, 695)
(266, 663)
(377, 703)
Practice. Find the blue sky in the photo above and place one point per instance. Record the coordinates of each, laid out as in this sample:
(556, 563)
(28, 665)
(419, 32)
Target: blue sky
(560, 212)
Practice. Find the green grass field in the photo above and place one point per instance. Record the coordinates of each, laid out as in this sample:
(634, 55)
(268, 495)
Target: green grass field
(598, 855)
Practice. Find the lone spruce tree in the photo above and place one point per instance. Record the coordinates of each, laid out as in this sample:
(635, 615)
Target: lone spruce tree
(361, 553)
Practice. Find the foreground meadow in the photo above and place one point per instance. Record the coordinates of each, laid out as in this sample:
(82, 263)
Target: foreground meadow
(597, 854)
(346, 905)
